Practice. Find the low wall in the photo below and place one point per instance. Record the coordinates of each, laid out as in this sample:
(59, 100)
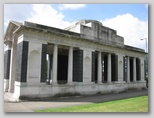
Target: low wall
(40, 90)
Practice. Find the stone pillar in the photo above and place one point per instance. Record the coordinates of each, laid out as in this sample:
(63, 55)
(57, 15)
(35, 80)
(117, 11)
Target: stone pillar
(48, 69)
(134, 69)
(70, 66)
(7, 55)
(109, 69)
(120, 68)
(12, 68)
(128, 70)
(99, 78)
(54, 65)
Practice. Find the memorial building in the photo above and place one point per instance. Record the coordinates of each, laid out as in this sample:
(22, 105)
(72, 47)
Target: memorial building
(85, 58)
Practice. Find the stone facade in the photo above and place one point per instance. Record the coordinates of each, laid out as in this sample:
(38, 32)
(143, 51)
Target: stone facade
(85, 58)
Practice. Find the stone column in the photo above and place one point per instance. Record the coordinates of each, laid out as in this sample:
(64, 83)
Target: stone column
(48, 66)
(120, 68)
(134, 69)
(70, 66)
(54, 65)
(12, 68)
(128, 70)
(99, 78)
(109, 69)
(48, 69)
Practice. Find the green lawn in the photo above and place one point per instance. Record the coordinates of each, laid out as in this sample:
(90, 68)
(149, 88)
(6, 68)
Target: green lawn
(136, 104)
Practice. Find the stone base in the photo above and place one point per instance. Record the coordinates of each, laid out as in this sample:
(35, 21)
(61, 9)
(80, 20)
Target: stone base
(40, 90)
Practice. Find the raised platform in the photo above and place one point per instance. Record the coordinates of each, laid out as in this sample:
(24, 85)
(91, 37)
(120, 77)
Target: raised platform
(40, 90)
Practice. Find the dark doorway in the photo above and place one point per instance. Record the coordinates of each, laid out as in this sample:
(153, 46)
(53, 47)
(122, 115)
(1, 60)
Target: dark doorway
(96, 67)
(93, 67)
(78, 65)
(114, 67)
(138, 69)
(62, 66)
(131, 69)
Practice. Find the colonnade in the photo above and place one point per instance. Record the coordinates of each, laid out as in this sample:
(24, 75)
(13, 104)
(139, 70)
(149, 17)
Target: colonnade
(55, 63)
(120, 72)
(134, 70)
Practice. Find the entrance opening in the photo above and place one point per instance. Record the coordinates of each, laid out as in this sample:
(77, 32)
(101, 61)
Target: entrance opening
(114, 67)
(131, 69)
(138, 70)
(62, 66)
(62, 63)
(96, 67)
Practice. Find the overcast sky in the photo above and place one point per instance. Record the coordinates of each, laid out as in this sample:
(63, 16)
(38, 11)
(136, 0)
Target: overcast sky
(130, 20)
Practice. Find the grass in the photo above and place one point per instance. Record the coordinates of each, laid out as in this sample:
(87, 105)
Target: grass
(136, 104)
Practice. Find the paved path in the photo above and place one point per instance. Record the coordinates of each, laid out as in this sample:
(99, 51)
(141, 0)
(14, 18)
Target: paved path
(29, 106)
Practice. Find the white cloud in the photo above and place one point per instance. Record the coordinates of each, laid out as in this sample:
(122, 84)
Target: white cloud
(16, 12)
(71, 6)
(129, 27)
(37, 13)
(46, 15)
